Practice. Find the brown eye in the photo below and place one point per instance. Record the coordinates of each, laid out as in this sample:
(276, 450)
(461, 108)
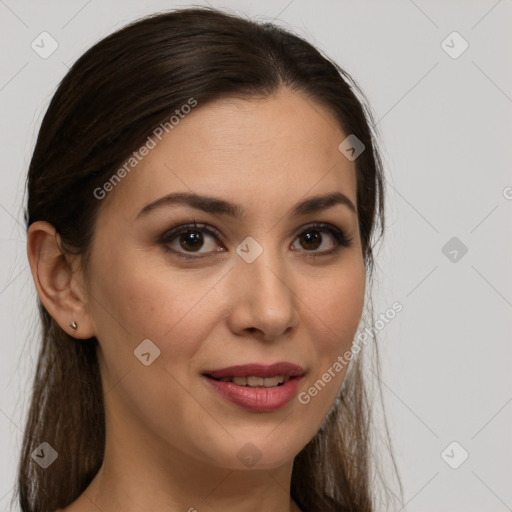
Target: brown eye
(191, 240)
(196, 241)
(312, 239)
(318, 235)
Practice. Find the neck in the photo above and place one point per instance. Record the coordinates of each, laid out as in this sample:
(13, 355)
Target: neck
(145, 476)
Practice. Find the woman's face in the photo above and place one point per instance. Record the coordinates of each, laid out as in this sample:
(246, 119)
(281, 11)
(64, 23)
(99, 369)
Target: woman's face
(256, 288)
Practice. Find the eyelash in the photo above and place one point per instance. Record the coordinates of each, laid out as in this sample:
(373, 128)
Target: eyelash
(338, 235)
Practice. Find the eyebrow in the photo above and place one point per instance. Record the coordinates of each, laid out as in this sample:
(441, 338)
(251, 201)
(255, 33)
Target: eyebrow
(215, 205)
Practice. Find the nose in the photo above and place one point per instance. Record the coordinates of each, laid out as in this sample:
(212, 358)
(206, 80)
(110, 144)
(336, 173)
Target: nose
(263, 299)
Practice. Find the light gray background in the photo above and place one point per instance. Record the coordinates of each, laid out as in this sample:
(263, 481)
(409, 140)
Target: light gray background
(446, 129)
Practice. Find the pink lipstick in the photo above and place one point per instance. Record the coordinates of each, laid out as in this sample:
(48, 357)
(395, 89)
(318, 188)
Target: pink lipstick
(257, 387)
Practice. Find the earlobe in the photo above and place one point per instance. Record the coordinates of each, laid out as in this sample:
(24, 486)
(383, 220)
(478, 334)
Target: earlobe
(56, 281)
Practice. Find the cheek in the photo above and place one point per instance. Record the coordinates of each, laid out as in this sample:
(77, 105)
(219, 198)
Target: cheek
(333, 314)
(173, 309)
(336, 307)
(138, 300)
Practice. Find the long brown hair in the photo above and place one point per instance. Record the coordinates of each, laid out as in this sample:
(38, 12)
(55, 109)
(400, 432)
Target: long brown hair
(111, 99)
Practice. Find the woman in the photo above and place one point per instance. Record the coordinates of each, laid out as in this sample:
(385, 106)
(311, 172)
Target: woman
(202, 199)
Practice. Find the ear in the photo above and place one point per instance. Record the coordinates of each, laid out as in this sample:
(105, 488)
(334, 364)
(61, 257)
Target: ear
(59, 285)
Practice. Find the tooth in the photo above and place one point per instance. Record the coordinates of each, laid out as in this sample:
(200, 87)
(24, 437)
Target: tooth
(240, 381)
(270, 381)
(255, 381)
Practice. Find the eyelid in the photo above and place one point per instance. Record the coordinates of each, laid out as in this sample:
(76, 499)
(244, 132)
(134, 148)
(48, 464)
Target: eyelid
(191, 226)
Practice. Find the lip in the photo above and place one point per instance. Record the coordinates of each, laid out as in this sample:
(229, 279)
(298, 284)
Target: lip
(258, 370)
(258, 399)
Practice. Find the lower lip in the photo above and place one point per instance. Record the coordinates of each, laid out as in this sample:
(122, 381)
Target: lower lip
(257, 399)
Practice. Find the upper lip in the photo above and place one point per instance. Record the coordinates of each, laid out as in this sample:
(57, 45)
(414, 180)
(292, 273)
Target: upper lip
(258, 370)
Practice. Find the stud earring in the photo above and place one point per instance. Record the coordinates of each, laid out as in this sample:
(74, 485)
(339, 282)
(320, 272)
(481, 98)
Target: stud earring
(73, 325)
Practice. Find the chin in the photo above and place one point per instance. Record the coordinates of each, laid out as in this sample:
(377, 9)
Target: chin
(259, 452)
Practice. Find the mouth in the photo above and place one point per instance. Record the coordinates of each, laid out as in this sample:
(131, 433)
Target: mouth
(257, 387)
(260, 371)
(253, 381)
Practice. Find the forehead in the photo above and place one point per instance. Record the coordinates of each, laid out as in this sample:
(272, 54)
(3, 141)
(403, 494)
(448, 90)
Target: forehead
(261, 153)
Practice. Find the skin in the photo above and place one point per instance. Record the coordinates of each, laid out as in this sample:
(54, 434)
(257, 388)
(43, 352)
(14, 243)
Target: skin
(172, 441)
